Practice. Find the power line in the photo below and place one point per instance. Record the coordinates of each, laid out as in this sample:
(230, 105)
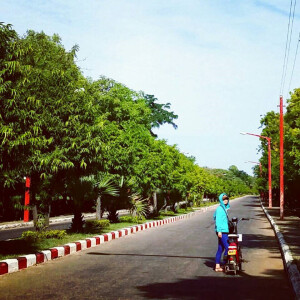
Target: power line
(287, 60)
(294, 63)
(287, 46)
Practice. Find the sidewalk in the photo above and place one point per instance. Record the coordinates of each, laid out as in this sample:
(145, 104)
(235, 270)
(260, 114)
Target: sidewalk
(288, 234)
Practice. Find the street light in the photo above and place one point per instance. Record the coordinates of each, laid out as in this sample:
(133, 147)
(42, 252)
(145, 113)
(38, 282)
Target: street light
(269, 162)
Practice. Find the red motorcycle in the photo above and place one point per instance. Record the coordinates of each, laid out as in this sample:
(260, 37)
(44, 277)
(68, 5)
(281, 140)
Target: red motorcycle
(234, 257)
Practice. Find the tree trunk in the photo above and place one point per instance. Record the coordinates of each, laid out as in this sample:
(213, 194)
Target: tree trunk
(165, 205)
(154, 202)
(47, 217)
(35, 216)
(77, 221)
(98, 208)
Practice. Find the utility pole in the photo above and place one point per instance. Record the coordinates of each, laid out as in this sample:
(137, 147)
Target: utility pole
(281, 160)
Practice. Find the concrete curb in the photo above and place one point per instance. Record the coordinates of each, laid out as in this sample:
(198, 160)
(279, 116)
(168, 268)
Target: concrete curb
(22, 262)
(290, 266)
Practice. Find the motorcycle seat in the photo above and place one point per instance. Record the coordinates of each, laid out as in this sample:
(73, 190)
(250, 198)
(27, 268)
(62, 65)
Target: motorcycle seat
(233, 236)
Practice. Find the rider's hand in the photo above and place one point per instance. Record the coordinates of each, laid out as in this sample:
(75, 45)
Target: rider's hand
(219, 234)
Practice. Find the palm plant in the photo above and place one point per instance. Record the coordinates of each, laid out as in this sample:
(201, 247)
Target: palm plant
(138, 206)
(103, 185)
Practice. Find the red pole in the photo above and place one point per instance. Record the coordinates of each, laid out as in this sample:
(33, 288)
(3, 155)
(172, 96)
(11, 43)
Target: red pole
(281, 160)
(27, 199)
(270, 173)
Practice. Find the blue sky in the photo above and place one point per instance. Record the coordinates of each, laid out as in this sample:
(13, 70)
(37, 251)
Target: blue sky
(219, 63)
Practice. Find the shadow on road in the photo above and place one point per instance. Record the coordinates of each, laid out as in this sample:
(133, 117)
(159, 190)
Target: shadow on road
(219, 287)
(251, 205)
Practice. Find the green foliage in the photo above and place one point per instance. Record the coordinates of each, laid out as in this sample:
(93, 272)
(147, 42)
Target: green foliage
(159, 112)
(41, 224)
(54, 234)
(168, 213)
(90, 141)
(127, 219)
(132, 219)
(113, 215)
(96, 226)
(139, 207)
(31, 236)
(35, 236)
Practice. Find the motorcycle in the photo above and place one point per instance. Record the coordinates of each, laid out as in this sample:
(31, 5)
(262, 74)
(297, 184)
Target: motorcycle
(234, 256)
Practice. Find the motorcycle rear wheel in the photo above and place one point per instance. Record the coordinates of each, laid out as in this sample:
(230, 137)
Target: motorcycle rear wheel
(233, 267)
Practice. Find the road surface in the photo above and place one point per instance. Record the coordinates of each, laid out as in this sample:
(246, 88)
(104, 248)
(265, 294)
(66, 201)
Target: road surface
(174, 261)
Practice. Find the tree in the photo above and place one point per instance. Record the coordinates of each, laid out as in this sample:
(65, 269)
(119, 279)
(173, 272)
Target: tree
(49, 123)
(159, 112)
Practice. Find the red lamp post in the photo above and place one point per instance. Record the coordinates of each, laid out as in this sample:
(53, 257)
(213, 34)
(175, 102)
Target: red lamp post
(281, 160)
(269, 162)
(27, 199)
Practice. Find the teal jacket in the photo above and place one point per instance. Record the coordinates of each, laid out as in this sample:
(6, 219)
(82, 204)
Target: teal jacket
(220, 217)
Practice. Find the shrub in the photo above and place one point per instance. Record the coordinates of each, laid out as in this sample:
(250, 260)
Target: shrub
(95, 226)
(168, 213)
(132, 219)
(53, 234)
(113, 216)
(41, 223)
(31, 236)
(35, 236)
(127, 219)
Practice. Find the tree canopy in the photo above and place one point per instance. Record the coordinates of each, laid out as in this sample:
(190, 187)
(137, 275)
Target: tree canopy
(60, 128)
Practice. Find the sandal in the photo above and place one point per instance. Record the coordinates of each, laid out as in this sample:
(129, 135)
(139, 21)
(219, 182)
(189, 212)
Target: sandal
(219, 270)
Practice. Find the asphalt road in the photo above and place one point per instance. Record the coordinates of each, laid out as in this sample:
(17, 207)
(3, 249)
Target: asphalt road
(174, 261)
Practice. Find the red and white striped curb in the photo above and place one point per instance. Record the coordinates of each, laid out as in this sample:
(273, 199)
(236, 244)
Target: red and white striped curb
(16, 264)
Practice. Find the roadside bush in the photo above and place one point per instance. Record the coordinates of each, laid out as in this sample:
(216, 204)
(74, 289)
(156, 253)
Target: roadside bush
(35, 236)
(127, 219)
(185, 210)
(132, 219)
(167, 213)
(96, 226)
(113, 216)
(53, 234)
(31, 236)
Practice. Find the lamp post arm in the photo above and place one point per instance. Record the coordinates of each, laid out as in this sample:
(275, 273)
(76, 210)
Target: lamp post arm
(260, 136)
